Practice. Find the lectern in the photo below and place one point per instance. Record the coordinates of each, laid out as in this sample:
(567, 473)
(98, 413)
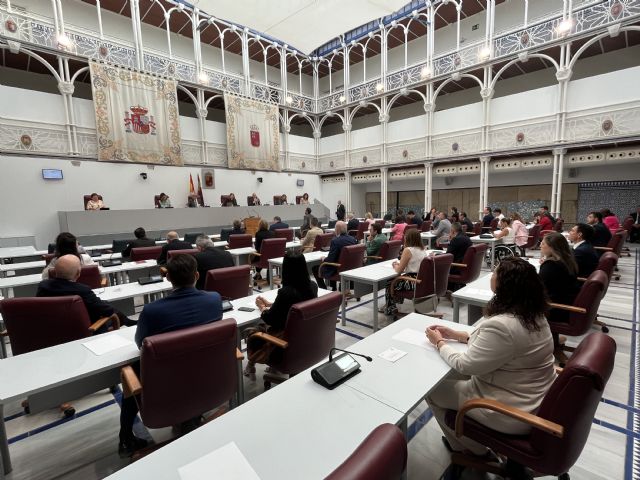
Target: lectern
(251, 225)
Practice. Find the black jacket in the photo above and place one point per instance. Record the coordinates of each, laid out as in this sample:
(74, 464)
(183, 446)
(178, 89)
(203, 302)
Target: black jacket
(276, 316)
(561, 286)
(174, 245)
(601, 236)
(138, 243)
(340, 212)
(458, 246)
(353, 224)
(586, 258)
(57, 287)
(486, 220)
(260, 236)
(210, 259)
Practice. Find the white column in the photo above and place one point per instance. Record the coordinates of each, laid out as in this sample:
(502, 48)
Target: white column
(347, 191)
(384, 125)
(556, 187)
(486, 93)
(317, 134)
(428, 186)
(484, 184)
(383, 191)
(347, 140)
(202, 113)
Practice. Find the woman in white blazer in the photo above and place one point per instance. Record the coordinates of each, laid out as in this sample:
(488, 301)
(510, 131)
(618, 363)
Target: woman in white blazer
(509, 359)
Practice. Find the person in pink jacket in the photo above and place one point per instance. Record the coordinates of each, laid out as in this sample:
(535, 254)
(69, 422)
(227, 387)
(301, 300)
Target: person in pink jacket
(610, 220)
(397, 232)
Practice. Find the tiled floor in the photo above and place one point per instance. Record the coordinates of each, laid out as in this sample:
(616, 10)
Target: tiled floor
(85, 447)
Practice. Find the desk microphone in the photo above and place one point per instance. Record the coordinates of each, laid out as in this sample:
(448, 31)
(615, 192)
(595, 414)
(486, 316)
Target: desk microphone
(367, 357)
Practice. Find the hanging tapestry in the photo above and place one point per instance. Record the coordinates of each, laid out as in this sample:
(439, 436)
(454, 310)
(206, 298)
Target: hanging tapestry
(253, 136)
(136, 116)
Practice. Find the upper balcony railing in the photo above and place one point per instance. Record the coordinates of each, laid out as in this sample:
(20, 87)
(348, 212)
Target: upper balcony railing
(40, 31)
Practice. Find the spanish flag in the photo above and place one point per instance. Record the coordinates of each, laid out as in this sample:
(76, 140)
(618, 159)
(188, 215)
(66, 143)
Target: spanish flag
(192, 189)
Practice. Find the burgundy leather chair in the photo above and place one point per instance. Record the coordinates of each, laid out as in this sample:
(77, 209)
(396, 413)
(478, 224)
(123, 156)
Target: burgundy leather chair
(492, 226)
(560, 427)
(199, 361)
(380, 456)
(359, 232)
(223, 200)
(607, 264)
(431, 281)
(277, 199)
(286, 233)
(298, 199)
(470, 266)
(584, 309)
(173, 253)
(269, 248)
(89, 276)
(532, 240)
(382, 223)
(477, 228)
(309, 334)
(351, 256)
(229, 282)
(389, 250)
(559, 225)
(426, 226)
(47, 257)
(156, 201)
(410, 226)
(615, 244)
(323, 241)
(145, 253)
(86, 200)
(240, 240)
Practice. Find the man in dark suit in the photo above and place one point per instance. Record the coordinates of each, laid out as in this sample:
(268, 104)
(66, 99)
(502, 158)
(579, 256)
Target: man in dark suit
(586, 258)
(635, 228)
(487, 218)
(278, 224)
(340, 211)
(601, 234)
(464, 220)
(353, 222)
(209, 258)
(458, 245)
(412, 219)
(340, 240)
(67, 272)
(185, 307)
(173, 243)
(140, 241)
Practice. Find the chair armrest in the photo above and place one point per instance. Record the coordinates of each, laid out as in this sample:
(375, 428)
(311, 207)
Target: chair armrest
(528, 418)
(163, 271)
(131, 385)
(373, 256)
(460, 265)
(252, 256)
(403, 277)
(582, 279)
(331, 264)
(115, 321)
(104, 282)
(278, 342)
(558, 369)
(239, 355)
(604, 249)
(568, 308)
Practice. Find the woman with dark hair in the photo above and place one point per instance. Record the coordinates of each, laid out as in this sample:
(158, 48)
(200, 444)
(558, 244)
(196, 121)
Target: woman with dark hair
(408, 266)
(397, 232)
(455, 216)
(232, 202)
(559, 273)
(66, 244)
(305, 199)
(262, 234)
(94, 203)
(509, 356)
(296, 287)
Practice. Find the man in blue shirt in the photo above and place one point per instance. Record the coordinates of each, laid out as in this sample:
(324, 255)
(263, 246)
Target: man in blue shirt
(340, 240)
(278, 224)
(185, 307)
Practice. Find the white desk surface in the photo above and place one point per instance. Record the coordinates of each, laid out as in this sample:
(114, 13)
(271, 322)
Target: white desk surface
(12, 267)
(315, 430)
(373, 273)
(248, 250)
(130, 290)
(54, 366)
(10, 282)
(427, 235)
(310, 257)
(477, 239)
(18, 252)
(478, 290)
(129, 266)
(404, 383)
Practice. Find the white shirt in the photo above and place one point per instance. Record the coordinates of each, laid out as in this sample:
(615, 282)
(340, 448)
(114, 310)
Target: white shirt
(577, 244)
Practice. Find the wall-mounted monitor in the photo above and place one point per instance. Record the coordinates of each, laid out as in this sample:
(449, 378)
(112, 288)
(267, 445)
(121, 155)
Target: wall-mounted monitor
(300, 182)
(52, 174)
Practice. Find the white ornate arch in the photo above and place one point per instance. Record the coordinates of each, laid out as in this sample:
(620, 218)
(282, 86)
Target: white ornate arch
(517, 60)
(362, 105)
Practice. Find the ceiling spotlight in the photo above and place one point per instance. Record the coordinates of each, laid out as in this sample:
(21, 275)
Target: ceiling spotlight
(379, 87)
(203, 78)
(425, 72)
(289, 100)
(484, 53)
(64, 41)
(342, 99)
(565, 26)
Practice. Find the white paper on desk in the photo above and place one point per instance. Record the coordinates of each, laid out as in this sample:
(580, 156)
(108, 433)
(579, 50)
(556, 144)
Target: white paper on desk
(107, 343)
(392, 354)
(225, 463)
(414, 337)
(479, 292)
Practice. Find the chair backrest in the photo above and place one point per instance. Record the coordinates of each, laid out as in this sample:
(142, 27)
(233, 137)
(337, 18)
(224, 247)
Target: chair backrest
(589, 298)
(434, 275)
(229, 282)
(607, 263)
(87, 198)
(240, 240)
(322, 240)
(47, 257)
(477, 228)
(89, 276)
(310, 331)
(558, 225)
(410, 226)
(277, 199)
(191, 237)
(189, 251)
(571, 402)
(224, 199)
(617, 241)
(426, 225)
(390, 250)
(187, 372)
(331, 223)
(145, 253)
(382, 222)
(351, 256)
(271, 248)
(298, 199)
(224, 234)
(40, 322)
(156, 201)
(362, 227)
(473, 258)
(380, 456)
(494, 223)
(534, 233)
(286, 233)
(627, 224)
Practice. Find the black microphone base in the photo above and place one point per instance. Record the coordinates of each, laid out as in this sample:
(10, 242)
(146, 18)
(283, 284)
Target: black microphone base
(330, 375)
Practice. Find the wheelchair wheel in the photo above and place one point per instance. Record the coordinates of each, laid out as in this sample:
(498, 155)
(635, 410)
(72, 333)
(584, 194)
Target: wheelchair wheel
(501, 252)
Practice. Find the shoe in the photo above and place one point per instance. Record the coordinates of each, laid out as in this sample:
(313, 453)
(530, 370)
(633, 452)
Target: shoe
(128, 447)
(250, 372)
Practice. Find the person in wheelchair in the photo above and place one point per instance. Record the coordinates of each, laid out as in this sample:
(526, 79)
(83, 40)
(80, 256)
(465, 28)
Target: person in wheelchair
(508, 247)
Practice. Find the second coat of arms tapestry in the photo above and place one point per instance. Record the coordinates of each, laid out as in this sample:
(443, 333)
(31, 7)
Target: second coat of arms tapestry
(253, 136)
(137, 117)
